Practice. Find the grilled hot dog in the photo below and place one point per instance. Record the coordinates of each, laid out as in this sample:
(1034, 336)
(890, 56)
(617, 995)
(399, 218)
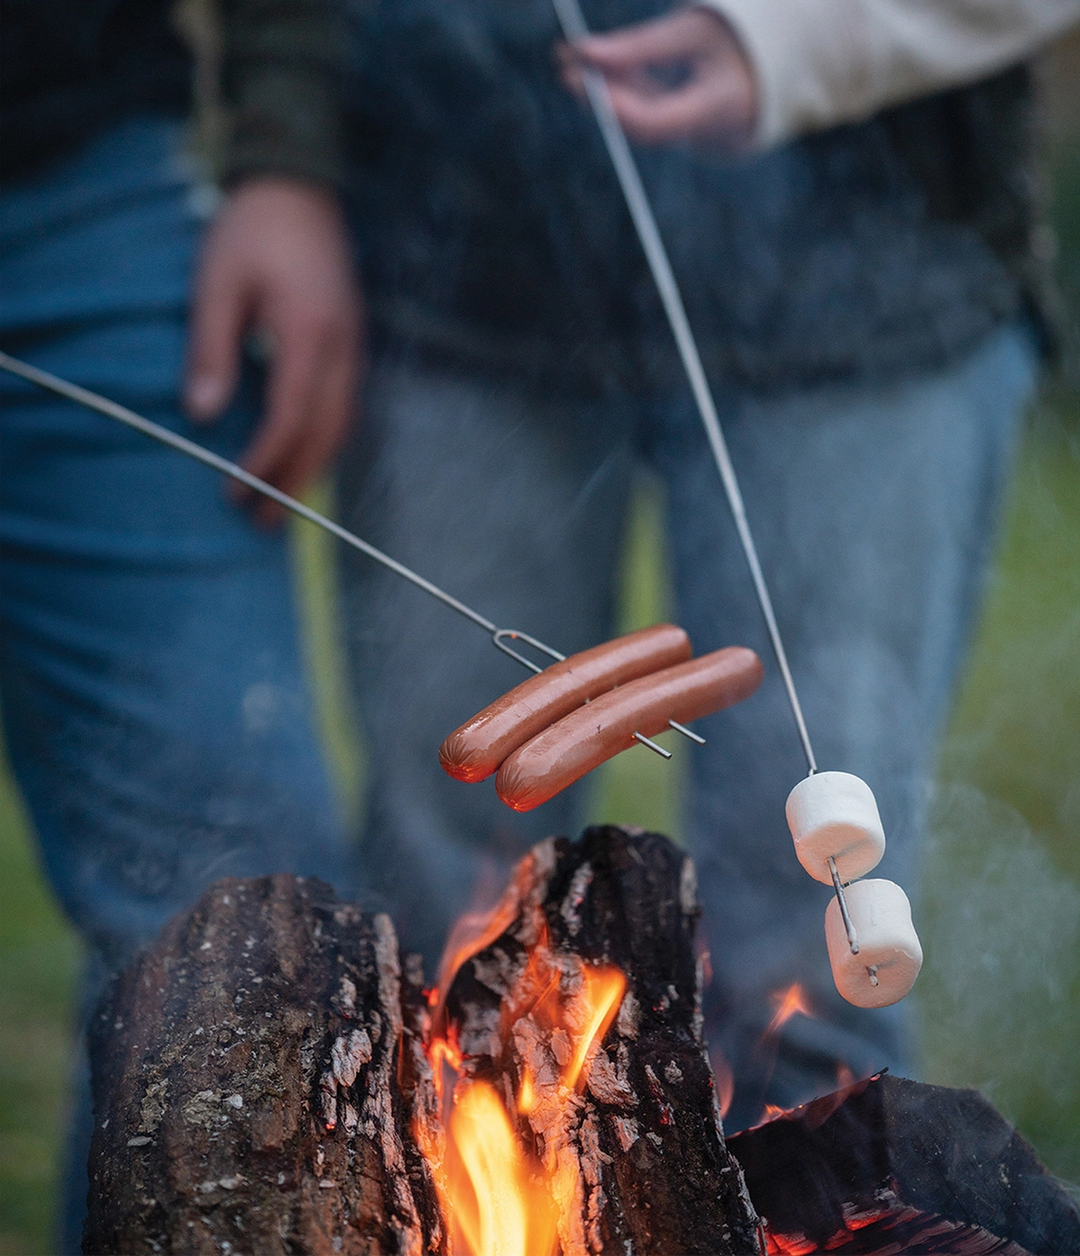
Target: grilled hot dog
(582, 740)
(477, 748)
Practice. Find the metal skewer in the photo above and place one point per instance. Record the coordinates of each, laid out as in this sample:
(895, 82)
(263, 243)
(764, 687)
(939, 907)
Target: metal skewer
(574, 28)
(841, 898)
(499, 636)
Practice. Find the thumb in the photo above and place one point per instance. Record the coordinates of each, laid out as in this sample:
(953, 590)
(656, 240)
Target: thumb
(218, 316)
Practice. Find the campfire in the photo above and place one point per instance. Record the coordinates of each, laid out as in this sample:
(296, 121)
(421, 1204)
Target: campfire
(272, 1077)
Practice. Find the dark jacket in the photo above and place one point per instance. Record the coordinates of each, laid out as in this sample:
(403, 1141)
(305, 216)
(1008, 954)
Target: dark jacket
(495, 237)
(71, 68)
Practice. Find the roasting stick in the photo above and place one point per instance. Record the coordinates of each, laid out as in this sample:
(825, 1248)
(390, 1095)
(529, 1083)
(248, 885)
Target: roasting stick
(500, 636)
(574, 28)
(831, 790)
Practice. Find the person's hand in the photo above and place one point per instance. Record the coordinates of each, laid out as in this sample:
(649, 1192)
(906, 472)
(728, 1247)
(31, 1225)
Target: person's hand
(680, 78)
(276, 260)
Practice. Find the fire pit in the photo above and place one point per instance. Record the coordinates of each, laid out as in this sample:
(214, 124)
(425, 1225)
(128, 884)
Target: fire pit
(270, 1077)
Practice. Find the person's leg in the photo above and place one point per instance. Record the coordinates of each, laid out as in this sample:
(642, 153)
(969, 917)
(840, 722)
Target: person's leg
(155, 706)
(515, 506)
(873, 510)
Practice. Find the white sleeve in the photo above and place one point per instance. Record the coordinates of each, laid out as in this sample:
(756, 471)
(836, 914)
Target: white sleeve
(823, 62)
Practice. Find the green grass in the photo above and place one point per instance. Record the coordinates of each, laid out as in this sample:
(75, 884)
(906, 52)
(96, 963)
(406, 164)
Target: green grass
(38, 962)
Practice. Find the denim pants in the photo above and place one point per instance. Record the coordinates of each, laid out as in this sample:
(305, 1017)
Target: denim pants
(873, 511)
(156, 710)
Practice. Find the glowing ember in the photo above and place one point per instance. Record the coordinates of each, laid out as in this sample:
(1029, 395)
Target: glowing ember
(506, 1183)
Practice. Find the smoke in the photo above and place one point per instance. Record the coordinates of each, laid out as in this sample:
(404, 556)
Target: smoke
(1001, 928)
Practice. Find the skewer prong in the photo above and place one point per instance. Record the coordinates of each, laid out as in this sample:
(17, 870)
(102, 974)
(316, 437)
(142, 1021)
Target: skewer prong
(645, 741)
(849, 928)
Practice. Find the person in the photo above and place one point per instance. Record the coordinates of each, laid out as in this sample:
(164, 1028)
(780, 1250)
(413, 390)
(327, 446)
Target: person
(156, 710)
(848, 205)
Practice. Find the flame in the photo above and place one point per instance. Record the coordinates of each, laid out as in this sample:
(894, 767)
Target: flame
(499, 1196)
(598, 1003)
(789, 1003)
(445, 1056)
(725, 1081)
(498, 1208)
(472, 933)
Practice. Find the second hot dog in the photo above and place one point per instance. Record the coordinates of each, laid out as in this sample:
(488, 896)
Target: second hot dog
(475, 750)
(585, 738)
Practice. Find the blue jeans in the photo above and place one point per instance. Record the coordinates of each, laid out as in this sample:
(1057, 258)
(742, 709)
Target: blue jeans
(873, 509)
(156, 711)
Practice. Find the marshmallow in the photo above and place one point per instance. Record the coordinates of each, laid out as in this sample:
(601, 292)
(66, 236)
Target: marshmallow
(834, 813)
(888, 944)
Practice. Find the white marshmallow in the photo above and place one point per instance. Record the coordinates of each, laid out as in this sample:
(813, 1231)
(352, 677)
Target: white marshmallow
(834, 813)
(888, 943)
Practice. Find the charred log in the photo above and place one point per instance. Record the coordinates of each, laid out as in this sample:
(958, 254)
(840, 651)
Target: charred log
(245, 1085)
(890, 1165)
(644, 1137)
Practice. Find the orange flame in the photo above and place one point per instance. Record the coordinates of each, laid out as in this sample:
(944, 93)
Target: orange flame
(789, 1003)
(498, 1197)
(498, 1207)
(472, 933)
(725, 1080)
(597, 1003)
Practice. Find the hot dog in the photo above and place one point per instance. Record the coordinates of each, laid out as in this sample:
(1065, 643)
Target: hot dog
(585, 738)
(476, 749)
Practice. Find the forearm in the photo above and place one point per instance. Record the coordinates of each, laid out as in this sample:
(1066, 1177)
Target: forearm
(820, 63)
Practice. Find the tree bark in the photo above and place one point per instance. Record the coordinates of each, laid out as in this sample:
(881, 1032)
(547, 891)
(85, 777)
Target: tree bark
(245, 1085)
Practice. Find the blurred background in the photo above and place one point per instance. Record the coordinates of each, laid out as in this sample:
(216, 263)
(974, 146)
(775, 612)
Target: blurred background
(999, 995)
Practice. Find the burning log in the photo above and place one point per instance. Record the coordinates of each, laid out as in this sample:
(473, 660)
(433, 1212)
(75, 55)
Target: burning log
(245, 1085)
(629, 1138)
(270, 1080)
(890, 1165)
(251, 1097)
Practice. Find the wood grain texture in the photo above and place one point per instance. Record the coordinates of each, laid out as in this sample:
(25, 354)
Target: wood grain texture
(245, 1085)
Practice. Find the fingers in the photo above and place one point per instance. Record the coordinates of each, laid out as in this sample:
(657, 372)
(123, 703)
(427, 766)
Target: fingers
(219, 315)
(277, 263)
(700, 111)
(633, 49)
(684, 77)
(311, 399)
